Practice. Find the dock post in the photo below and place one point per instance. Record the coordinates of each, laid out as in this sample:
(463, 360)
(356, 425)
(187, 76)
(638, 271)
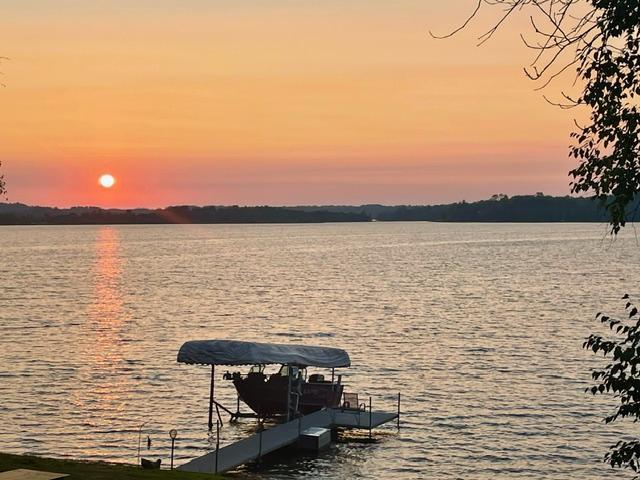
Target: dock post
(260, 445)
(398, 410)
(213, 376)
(217, 443)
(370, 419)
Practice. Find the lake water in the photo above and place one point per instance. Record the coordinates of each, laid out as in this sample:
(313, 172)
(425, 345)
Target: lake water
(479, 326)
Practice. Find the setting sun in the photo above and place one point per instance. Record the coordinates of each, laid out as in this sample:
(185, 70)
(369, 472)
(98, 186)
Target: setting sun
(107, 180)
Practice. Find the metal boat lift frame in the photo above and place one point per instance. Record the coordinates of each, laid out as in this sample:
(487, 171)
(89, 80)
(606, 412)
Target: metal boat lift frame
(237, 353)
(238, 414)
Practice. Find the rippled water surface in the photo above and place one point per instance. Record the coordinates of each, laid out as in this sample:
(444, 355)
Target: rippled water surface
(479, 326)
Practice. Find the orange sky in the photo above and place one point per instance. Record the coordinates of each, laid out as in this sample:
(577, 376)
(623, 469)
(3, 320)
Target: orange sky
(269, 102)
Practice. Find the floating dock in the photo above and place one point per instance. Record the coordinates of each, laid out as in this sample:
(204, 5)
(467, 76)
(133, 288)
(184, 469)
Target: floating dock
(272, 439)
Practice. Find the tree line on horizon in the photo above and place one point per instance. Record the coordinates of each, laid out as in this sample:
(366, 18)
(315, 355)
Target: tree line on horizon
(499, 208)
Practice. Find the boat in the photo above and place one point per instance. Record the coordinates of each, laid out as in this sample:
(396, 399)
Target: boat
(266, 395)
(289, 392)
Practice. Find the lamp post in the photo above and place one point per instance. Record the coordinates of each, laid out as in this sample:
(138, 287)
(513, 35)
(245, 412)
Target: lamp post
(173, 433)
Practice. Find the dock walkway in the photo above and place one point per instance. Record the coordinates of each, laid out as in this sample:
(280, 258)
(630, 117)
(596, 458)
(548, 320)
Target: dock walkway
(269, 440)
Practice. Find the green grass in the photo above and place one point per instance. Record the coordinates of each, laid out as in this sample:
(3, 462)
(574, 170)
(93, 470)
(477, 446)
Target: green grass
(79, 470)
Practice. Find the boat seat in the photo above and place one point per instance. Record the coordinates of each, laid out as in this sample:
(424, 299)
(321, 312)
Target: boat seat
(350, 402)
(316, 378)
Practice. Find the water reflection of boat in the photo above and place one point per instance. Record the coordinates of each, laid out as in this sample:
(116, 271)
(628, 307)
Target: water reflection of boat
(287, 392)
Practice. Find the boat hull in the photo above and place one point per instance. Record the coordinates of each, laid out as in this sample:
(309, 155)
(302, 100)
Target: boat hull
(267, 397)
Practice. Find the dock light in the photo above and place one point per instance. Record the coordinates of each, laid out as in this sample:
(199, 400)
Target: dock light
(173, 433)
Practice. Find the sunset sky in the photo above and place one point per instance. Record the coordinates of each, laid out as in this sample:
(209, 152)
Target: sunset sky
(269, 102)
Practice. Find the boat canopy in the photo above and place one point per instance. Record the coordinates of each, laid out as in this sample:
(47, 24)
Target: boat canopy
(233, 352)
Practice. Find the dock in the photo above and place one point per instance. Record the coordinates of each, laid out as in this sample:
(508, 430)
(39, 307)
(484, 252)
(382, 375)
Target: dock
(254, 447)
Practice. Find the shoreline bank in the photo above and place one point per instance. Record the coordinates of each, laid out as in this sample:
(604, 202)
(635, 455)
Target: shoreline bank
(80, 469)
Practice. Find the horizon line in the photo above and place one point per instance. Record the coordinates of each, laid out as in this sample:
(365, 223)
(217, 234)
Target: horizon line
(501, 195)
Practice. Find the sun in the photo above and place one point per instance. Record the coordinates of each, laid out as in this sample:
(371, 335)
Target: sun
(107, 180)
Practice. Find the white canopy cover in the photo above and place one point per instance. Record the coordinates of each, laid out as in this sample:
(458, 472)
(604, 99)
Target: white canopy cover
(233, 352)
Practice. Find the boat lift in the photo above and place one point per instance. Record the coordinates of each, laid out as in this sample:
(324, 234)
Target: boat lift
(239, 353)
(351, 414)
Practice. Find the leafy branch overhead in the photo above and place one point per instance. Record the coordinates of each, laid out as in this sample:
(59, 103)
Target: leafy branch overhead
(620, 377)
(600, 40)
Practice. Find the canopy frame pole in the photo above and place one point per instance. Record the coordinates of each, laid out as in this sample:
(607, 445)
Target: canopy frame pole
(211, 390)
(289, 393)
(260, 445)
(333, 375)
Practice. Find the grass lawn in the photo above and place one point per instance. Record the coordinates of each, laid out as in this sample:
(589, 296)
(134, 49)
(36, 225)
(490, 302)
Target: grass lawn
(79, 470)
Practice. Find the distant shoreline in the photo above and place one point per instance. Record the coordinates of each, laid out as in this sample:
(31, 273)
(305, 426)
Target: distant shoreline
(499, 209)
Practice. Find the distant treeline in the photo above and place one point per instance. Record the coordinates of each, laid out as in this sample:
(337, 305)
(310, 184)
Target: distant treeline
(499, 208)
(524, 208)
(18, 214)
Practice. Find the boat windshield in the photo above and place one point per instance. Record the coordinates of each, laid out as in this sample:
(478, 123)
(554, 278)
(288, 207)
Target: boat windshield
(257, 369)
(295, 371)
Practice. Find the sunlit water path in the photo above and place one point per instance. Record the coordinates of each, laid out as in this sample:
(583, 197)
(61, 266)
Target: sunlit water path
(479, 326)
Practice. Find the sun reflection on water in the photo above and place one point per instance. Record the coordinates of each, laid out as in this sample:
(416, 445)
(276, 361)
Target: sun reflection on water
(106, 309)
(104, 394)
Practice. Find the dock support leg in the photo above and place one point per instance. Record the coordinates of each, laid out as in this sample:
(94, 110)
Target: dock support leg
(217, 444)
(213, 376)
(398, 410)
(370, 419)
